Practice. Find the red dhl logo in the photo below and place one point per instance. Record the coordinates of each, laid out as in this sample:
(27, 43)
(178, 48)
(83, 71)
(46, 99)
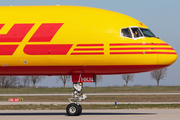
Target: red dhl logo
(44, 33)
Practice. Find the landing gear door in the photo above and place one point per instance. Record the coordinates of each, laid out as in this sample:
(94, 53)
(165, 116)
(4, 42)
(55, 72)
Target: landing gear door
(82, 78)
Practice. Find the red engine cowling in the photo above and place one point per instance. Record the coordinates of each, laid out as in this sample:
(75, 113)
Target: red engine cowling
(83, 78)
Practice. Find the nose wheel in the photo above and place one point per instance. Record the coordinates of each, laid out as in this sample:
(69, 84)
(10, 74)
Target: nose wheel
(74, 109)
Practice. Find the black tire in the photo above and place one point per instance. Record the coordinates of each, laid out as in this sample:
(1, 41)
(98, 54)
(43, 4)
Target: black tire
(80, 109)
(72, 109)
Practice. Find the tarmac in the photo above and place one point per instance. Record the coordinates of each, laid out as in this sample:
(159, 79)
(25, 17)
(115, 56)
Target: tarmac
(90, 94)
(87, 103)
(136, 114)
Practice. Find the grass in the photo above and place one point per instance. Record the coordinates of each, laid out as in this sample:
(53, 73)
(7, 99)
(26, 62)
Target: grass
(92, 106)
(143, 89)
(104, 98)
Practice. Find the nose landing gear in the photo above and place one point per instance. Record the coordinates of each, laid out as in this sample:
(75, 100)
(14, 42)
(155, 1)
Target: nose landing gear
(74, 108)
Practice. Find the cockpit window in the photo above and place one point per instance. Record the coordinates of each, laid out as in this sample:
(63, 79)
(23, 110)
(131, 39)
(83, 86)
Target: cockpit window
(125, 32)
(147, 32)
(136, 32)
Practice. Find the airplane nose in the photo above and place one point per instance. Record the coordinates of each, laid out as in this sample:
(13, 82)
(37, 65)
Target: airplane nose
(166, 55)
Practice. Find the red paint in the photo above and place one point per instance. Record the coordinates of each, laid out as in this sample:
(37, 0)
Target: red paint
(124, 44)
(7, 49)
(127, 53)
(141, 48)
(163, 44)
(46, 32)
(76, 70)
(141, 24)
(16, 33)
(167, 53)
(56, 49)
(88, 49)
(82, 78)
(159, 48)
(90, 45)
(1, 25)
(89, 53)
(14, 100)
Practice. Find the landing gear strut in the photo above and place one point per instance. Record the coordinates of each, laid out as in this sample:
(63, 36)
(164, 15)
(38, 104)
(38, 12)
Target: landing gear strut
(74, 108)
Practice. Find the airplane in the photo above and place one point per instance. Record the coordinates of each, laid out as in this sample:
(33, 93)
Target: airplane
(78, 41)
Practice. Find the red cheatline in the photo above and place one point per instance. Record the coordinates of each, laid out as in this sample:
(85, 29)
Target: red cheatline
(160, 48)
(124, 44)
(7, 49)
(141, 48)
(126, 53)
(55, 49)
(90, 44)
(88, 49)
(66, 70)
(16, 33)
(167, 53)
(46, 32)
(92, 53)
(1, 25)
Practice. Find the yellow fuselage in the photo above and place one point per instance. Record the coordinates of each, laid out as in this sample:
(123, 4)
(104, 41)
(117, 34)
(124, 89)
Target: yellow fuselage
(54, 40)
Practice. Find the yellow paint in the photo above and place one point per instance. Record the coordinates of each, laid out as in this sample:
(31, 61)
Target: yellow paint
(82, 25)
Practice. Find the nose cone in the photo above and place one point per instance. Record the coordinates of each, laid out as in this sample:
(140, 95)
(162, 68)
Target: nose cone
(166, 55)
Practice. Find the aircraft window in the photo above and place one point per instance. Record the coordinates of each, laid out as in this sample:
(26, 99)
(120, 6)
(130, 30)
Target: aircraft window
(136, 32)
(125, 32)
(147, 32)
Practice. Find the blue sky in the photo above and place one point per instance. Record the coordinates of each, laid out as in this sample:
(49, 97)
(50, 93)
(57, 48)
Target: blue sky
(161, 16)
